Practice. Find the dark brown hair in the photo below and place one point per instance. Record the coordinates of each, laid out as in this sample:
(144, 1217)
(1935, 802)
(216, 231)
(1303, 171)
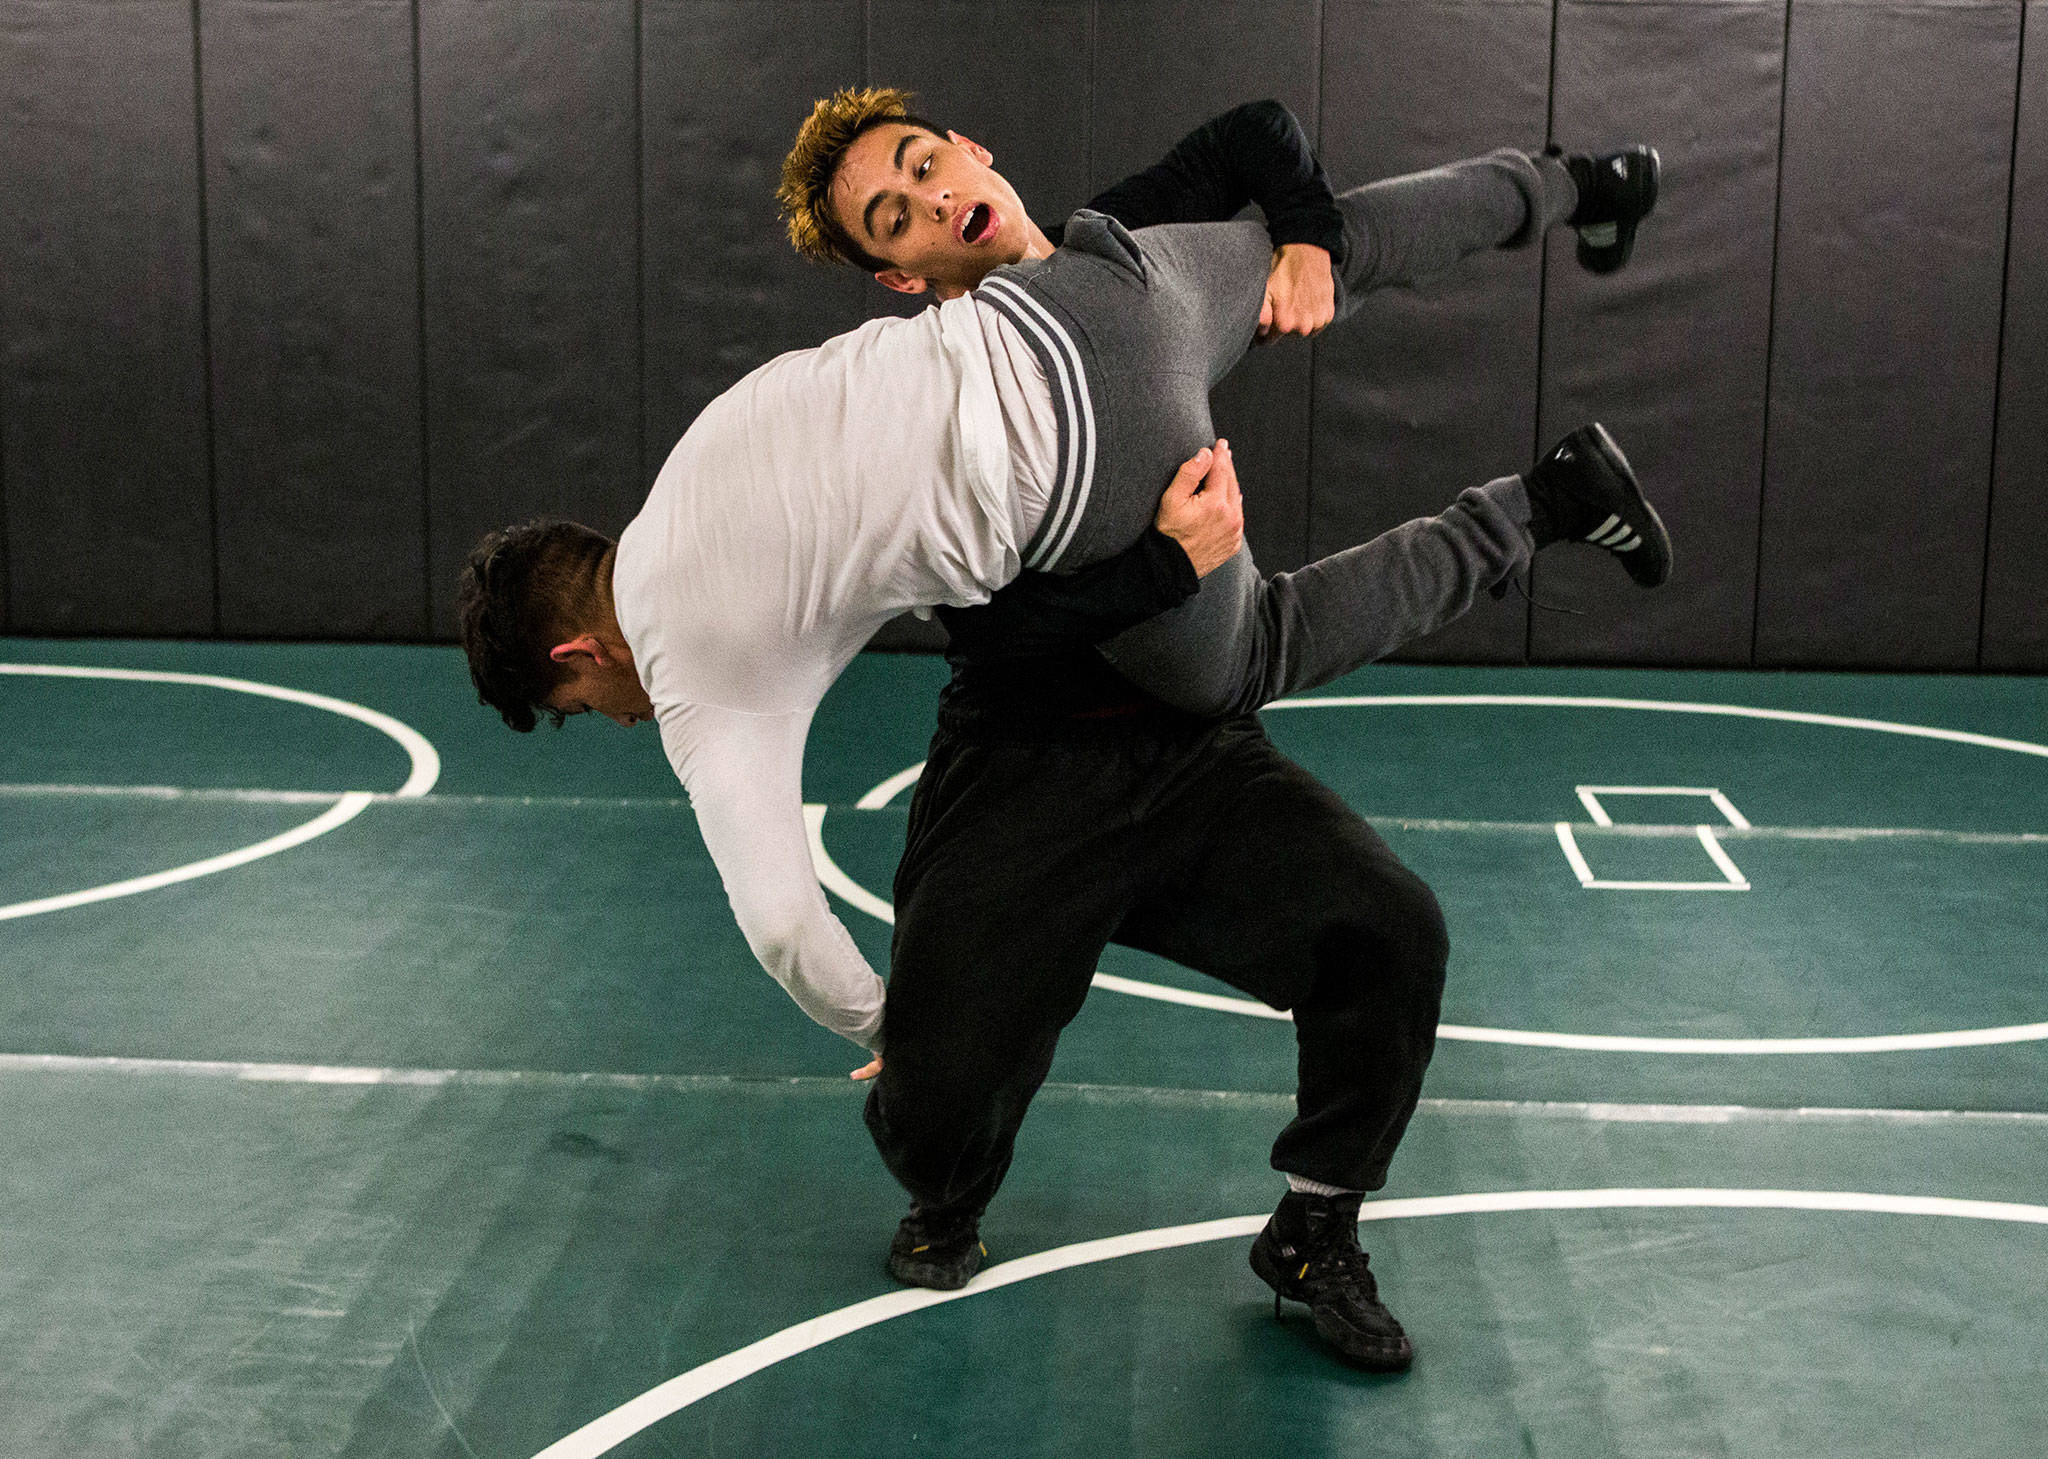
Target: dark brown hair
(525, 589)
(834, 125)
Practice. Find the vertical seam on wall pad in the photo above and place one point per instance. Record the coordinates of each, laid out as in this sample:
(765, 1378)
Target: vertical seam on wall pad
(6, 563)
(1088, 138)
(1542, 313)
(1308, 450)
(419, 250)
(2012, 169)
(1763, 466)
(206, 312)
(639, 241)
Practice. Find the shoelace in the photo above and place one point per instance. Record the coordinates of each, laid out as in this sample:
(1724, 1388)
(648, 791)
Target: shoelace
(1500, 590)
(1347, 1266)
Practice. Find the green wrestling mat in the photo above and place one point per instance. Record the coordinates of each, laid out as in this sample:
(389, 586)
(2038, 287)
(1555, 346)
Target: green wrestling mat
(385, 1083)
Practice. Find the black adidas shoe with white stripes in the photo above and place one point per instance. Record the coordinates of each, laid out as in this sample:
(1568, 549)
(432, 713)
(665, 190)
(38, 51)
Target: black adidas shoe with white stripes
(1616, 192)
(1584, 491)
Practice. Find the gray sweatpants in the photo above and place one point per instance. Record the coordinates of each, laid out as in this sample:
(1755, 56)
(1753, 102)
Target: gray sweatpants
(1134, 329)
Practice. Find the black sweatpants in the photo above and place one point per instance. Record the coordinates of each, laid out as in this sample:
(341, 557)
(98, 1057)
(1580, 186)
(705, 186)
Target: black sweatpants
(1199, 842)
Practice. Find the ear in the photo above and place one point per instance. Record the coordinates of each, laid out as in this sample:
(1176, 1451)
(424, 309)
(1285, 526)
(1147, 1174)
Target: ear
(584, 644)
(972, 148)
(902, 283)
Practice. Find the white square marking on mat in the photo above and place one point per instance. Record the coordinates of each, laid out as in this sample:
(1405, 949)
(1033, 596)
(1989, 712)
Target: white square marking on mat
(1732, 879)
(1590, 795)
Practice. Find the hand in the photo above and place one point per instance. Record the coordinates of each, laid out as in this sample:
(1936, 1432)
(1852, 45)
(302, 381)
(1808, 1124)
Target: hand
(1203, 510)
(868, 1070)
(1301, 294)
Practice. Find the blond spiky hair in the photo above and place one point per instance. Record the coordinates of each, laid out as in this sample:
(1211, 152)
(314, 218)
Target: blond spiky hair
(807, 171)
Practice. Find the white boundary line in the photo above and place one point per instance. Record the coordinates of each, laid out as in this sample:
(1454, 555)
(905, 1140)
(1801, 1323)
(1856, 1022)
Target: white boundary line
(1589, 796)
(1734, 879)
(339, 814)
(1670, 706)
(882, 794)
(1722, 859)
(424, 759)
(834, 879)
(889, 789)
(1594, 1111)
(603, 1434)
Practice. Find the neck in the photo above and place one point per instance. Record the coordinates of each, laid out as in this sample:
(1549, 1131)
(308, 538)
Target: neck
(1036, 245)
(607, 626)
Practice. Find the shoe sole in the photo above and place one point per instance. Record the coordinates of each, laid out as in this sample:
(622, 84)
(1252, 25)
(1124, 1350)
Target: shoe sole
(1377, 1355)
(940, 1278)
(1608, 258)
(1656, 566)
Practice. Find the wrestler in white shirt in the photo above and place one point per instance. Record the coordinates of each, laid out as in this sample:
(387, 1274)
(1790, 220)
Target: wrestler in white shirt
(767, 554)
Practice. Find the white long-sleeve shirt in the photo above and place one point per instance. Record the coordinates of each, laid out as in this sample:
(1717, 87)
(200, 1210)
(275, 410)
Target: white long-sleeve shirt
(900, 466)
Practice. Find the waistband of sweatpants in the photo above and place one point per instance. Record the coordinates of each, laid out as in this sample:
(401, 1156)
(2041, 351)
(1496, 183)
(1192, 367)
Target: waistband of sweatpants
(1063, 354)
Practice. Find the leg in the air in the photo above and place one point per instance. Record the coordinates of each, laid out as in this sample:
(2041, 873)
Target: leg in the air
(1262, 638)
(1243, 640)
(1402, 229)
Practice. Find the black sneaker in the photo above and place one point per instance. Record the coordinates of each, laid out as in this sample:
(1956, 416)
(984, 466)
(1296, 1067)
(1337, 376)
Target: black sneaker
(1584, 491)
(937, 1250)
(1309, 1253)
(1616, 192)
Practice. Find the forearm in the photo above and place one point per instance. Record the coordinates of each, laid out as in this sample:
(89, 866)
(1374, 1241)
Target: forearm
(817, 964)
(1256, 153)
(1041, 612)
(744, 774)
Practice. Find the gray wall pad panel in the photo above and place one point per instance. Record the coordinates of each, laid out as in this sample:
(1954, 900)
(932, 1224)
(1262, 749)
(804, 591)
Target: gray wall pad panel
(1162, 69)
(1429, 390)
(2016, 577)
(1672, 352)
(314, 304)
(109, 496)
(727, 83)
(1898, 134)
(532, 314)
(1012, 77)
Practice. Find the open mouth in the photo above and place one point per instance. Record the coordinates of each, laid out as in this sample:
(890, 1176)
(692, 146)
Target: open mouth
(980, 224)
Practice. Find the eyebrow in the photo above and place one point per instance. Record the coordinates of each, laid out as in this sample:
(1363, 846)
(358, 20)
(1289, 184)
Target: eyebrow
(867, 217)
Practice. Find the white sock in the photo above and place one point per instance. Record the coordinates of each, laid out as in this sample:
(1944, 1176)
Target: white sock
(1302, 1185)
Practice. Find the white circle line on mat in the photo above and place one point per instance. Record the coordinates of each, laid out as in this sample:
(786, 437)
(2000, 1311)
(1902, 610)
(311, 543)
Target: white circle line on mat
(603, 1434)
(1959, 1038)
(424, 760)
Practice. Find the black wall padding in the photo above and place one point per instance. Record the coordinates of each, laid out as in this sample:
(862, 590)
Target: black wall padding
(727, 84)
(314, 306)
(1013, 77)
(1672, 352)
(109, 499)
(1431, 389)
(530, 212)
(2016, 580)
(1898, 135)
(1160, 70)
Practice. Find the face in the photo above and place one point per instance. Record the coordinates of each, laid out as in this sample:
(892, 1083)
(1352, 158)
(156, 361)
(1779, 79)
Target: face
(600, 681)
(932, 206)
